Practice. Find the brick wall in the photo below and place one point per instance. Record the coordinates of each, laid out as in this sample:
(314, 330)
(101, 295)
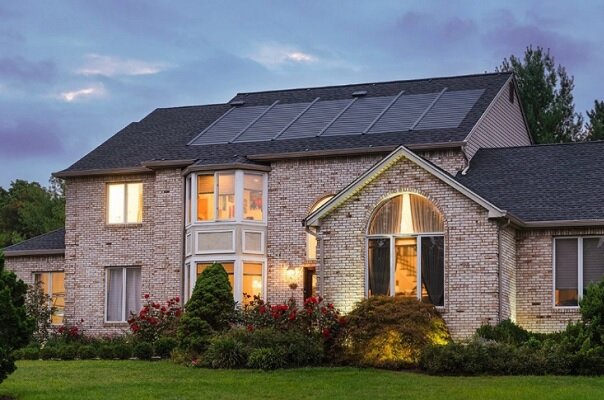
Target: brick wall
(91, 245)
(25, 266)
(471, 247)
(507, 251)
(534, 293)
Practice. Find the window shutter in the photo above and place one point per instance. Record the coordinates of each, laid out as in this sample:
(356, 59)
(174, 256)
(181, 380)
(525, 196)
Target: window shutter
(593, 260)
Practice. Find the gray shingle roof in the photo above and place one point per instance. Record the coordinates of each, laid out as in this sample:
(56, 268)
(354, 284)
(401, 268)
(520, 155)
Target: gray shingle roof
(165, 133)
(54, 240)
(542, 183)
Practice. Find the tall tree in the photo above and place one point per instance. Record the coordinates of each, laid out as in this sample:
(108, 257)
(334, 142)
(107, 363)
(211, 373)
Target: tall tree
(546, 95)
(27, 209)
(595, 126)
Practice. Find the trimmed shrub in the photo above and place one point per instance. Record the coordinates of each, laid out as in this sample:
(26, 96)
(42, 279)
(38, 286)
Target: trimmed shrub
(123, 351)
(193, 335)
(391, 332)
(225, 352)
(48, 352)
(143, 351)
(163, 346)
(67, 352)
(87, 352)
(106, 351)
(28, 353)
(266, 359)
(504, 332)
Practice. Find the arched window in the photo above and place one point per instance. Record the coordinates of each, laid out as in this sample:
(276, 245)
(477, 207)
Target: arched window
(311, 241)
(405, 249)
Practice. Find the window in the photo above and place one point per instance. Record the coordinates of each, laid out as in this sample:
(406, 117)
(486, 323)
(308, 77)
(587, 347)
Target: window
(53, 284)
(253, 202)
(188, 200)
(311, 241)
(405, 249)
(252, 281)
(246, 278)
(577, 263)
(205, 197)
(123, 293)
(228, 266)
(125, 203)
(226, 196)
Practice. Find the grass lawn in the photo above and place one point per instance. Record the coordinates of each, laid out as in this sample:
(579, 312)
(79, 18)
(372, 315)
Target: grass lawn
(163, 380)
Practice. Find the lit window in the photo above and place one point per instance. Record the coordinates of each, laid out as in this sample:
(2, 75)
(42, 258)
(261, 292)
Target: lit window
(252, 281)
(226, 196)
(123, 293)
(188, 200)
(252, 196)
(228, 266)
(205, 197)
(569, 267)
(406, 242)
(53, 284)
(311, 241)
(125, 203)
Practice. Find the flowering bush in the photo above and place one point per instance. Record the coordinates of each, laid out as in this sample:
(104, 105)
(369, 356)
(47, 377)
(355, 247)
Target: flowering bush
(70, 332)
(155, 320)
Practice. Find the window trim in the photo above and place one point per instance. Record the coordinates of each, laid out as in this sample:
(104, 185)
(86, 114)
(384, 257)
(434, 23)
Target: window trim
(124, 286)
(244, 249)
(218, 251)
(107, 208)
(418, 262)
(580, 283)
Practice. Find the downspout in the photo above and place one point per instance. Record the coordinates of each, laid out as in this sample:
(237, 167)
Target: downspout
(321, 260)
(499, 267)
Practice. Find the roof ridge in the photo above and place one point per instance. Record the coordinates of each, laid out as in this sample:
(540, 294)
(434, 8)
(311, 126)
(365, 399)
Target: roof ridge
(193, 106)
(483, 149)
(376, 83)
(34, 237)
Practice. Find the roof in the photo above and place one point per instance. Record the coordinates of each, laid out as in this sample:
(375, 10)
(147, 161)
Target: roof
(48, 243)
(560, 182)
(165, 133)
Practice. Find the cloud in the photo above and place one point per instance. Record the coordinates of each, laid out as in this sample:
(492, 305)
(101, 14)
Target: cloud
(114, 66)
(273, 55)
(97, 90)
(25, 71)
(29, 138)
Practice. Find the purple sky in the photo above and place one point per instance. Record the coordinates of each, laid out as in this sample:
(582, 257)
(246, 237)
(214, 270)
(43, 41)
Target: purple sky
(72, 73)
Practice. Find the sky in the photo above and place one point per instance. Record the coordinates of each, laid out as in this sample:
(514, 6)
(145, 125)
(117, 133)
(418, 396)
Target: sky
(73, 73)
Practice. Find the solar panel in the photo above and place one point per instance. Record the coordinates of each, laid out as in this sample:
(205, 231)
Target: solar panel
(314, 119)
(358, 116)
(403, 113)
(450, 110)
(229, 126)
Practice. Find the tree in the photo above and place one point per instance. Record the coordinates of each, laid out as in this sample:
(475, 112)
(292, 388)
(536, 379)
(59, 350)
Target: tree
(546, 94)
(27, 209)
(595, 127)
(15, 326)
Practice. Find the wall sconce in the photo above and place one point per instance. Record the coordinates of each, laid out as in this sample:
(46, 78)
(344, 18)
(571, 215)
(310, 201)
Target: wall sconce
(292, 275)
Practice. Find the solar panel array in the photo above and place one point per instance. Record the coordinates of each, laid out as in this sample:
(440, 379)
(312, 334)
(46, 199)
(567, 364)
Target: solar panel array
(354, 116)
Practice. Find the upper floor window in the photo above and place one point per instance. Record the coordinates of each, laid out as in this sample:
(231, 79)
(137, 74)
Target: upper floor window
(229, 196)
(577, 263)
(311, 241)
(125, 203)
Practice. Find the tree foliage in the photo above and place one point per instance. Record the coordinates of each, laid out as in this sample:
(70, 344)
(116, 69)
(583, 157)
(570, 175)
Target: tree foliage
(15, 326)
(546, 94)
(595, 127)
(27, 209)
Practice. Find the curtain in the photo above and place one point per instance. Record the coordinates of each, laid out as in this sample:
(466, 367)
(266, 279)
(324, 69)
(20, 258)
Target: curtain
(114, 294)
(425, 217)
(133, 290)
(387, 220)
(379, 266)
(433, 268)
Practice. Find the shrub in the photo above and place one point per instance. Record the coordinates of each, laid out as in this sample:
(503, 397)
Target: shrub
(391, 332)
(504, 332)
(37, 305)
(48, 352)
(155, 319)
(193, 335)
(163, 346)
(70, 332)
(16, 327)
(143, 351)
(225, 352)
(87, 352)
(266, 359)
(106, 351)
(28, 353)
(67, 352)
(123, 351)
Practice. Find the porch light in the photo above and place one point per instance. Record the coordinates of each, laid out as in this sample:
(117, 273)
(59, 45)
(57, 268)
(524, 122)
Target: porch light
(292, 274)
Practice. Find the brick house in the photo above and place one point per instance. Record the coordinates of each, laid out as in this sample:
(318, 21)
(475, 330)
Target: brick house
(426, 188)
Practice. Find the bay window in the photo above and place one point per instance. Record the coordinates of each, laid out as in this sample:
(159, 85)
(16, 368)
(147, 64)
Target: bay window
(122, 292)
(405, 250)
(205, 197)
(53, 285)
(124, 203)
(578, 261)
(246, 278)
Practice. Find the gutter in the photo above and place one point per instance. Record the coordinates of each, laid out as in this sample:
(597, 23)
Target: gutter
(23, 253)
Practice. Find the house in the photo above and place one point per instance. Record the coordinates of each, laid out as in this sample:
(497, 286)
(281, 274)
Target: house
(425, 188)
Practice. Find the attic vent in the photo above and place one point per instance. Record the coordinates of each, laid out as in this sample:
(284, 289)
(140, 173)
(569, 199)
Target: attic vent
(359, 93)
(237, 103)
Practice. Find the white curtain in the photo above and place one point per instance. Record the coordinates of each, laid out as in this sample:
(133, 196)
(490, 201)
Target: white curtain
(133, 291)
(114, 294)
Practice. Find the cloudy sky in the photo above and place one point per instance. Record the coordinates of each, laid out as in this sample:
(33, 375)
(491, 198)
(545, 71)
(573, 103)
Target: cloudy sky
(72, 73)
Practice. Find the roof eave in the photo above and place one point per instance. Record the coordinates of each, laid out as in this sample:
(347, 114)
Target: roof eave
(103, 171)
(226, 166)
(23, 253)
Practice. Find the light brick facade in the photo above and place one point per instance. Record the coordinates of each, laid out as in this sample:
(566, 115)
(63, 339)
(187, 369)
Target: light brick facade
(26, 266)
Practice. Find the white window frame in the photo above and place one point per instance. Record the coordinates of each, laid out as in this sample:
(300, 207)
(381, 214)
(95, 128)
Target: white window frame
(125, 221)
(580, 283)
(189, 245)
(244, 244)
(106, 297)
(239, 190)
(418, 262)
(217, 251)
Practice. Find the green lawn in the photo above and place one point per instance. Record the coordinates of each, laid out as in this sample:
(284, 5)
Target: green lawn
(163, 380)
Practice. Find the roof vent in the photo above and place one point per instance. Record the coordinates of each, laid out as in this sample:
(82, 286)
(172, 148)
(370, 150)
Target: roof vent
(359, 93)
(237, 103)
